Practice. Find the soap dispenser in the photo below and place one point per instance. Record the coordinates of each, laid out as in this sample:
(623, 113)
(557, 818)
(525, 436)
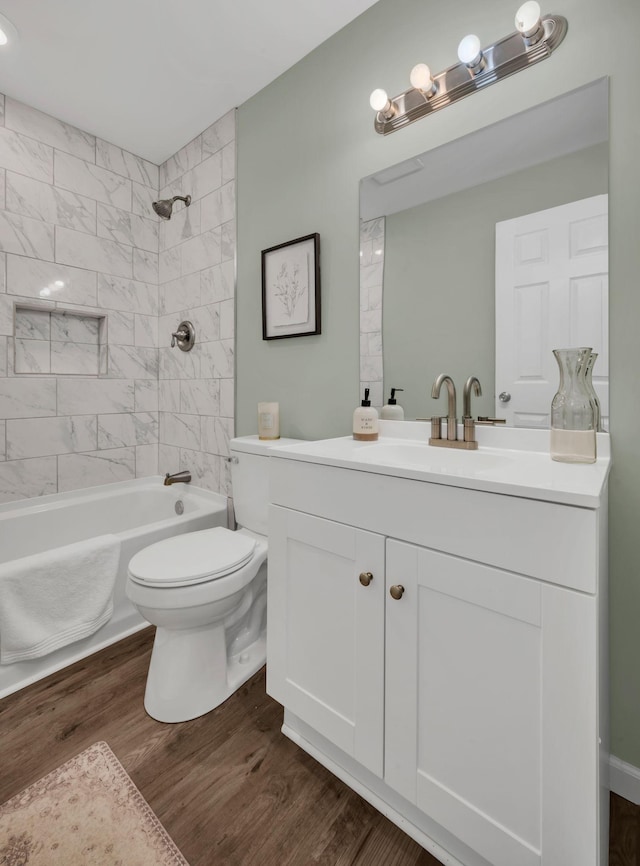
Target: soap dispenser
(365, 420)
(391, 411)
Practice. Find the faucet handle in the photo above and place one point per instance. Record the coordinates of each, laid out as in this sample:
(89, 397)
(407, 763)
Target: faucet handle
(469, 429)
(184, 337)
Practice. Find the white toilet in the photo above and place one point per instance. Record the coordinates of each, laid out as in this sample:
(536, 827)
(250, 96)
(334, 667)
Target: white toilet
(206, 592)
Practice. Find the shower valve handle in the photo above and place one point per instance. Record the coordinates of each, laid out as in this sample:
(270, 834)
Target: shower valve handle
(185, 337)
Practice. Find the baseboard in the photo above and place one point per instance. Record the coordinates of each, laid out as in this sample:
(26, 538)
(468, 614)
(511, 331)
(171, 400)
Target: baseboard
(624, 779)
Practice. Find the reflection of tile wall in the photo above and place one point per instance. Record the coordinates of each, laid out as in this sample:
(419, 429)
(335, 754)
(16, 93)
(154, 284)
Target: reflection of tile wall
(77, 232)
(371, 280)
(197, 267)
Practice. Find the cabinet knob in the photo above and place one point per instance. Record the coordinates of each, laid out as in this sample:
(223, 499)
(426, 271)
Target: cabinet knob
(396, 591)
(365, 578)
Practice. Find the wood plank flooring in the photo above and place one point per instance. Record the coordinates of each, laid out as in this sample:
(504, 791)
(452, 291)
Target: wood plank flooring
(229, 787)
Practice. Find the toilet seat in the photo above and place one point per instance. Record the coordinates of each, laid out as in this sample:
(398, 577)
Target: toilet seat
(192, 558)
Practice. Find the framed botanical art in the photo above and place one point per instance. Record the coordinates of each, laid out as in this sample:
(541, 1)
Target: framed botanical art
(291, 289)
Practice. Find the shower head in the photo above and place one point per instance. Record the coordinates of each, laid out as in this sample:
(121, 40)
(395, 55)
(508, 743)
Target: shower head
(164, 206)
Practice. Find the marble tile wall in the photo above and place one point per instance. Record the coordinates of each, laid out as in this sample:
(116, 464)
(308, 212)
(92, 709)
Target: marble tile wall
(371, 281)
(54, 341)
(196, 283)
(77, 233)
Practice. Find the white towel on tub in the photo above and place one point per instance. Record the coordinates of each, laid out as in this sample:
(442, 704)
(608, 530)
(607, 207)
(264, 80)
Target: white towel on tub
(54, 598)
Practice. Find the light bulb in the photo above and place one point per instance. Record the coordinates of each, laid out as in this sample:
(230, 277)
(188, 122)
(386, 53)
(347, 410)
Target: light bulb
(379, 99)
(528, 18)
(469, 51)
(421, 79)
(8, 32)
(59, 284)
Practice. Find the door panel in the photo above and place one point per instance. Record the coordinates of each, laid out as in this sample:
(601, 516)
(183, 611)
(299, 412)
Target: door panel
(471, 636)
(491, 707)
(325, 646)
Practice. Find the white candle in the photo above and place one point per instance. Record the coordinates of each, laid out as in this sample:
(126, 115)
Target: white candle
(268, 421)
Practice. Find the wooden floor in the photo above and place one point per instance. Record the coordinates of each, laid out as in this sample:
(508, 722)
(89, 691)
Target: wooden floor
(229, 787)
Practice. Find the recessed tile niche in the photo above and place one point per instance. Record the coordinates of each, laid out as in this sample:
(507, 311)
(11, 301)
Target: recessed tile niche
(60, 342)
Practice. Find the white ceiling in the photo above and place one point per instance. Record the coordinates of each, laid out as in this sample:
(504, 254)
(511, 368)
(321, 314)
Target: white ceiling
(149, 75)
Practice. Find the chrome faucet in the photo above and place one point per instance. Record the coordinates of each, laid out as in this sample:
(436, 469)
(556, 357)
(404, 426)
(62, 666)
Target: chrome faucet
(468, 441)
(472, 382)
(184, 476)
(452, 421)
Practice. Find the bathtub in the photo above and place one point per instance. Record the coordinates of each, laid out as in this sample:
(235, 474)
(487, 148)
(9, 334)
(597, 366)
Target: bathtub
(139, 512)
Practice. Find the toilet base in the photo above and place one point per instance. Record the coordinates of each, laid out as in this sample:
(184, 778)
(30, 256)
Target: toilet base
(190, 673)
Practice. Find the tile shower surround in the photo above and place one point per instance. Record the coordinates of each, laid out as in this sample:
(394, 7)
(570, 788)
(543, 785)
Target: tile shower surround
(76, 221)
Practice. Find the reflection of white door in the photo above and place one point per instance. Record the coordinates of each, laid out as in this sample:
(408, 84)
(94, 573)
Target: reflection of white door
(551, 293)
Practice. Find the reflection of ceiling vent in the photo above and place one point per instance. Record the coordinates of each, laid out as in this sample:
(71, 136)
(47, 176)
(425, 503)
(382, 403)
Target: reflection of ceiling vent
(395, 172)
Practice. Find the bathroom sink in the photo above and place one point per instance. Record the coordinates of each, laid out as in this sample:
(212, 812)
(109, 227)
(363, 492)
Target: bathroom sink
(419, 455)
(514, 461)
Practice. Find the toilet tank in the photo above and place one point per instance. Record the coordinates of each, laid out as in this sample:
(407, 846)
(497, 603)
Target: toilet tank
(250, 479)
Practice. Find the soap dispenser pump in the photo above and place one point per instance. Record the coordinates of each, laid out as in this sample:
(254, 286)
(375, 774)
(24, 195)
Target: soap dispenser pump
(391, 411)
(365, 420)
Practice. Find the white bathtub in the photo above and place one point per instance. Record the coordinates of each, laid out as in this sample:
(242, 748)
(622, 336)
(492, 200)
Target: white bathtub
(140, 512)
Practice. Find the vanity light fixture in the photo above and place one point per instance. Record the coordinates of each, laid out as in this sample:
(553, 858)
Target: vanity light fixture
(8, 33)
(535, 39)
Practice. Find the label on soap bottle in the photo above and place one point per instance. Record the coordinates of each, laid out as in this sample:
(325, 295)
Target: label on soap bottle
(365, 424)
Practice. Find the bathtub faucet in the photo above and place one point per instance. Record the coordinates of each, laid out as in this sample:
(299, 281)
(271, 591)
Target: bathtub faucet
(184, 476)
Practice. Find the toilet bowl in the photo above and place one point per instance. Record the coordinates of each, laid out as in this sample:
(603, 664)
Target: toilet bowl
(206, 593)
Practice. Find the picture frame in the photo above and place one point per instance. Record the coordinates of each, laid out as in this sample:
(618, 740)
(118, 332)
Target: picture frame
(291, 289)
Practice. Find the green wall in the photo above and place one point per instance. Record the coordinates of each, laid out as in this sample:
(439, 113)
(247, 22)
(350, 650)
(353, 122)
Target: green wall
(439, 277)
(306, 140)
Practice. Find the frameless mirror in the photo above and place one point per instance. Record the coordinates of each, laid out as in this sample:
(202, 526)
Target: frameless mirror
(481, 256)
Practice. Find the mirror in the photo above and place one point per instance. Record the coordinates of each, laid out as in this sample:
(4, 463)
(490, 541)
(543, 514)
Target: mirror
(428, 255)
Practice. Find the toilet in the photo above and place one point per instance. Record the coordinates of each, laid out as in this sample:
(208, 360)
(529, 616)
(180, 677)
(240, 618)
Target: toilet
(206, 593)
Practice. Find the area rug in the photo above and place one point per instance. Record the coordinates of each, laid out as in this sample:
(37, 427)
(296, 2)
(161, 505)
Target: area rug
(88, 812)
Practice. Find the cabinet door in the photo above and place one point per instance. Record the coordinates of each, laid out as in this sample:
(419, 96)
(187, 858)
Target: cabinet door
(325, 644)
(491, 717)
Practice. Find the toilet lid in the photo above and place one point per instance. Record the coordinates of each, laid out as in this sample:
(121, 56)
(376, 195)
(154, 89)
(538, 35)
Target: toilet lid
(191, 558)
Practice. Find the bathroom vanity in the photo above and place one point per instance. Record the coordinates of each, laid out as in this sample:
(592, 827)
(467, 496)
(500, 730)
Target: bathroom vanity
(437, 636)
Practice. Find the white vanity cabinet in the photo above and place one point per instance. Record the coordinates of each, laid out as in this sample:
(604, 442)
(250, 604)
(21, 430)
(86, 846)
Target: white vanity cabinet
(469, 703)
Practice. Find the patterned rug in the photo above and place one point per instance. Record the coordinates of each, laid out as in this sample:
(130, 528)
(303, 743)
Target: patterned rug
(88, 812)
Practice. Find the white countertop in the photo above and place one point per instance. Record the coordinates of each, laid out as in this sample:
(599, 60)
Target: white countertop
(511, 461)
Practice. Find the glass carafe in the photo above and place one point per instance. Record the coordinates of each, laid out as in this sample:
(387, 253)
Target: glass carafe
(573, 422)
